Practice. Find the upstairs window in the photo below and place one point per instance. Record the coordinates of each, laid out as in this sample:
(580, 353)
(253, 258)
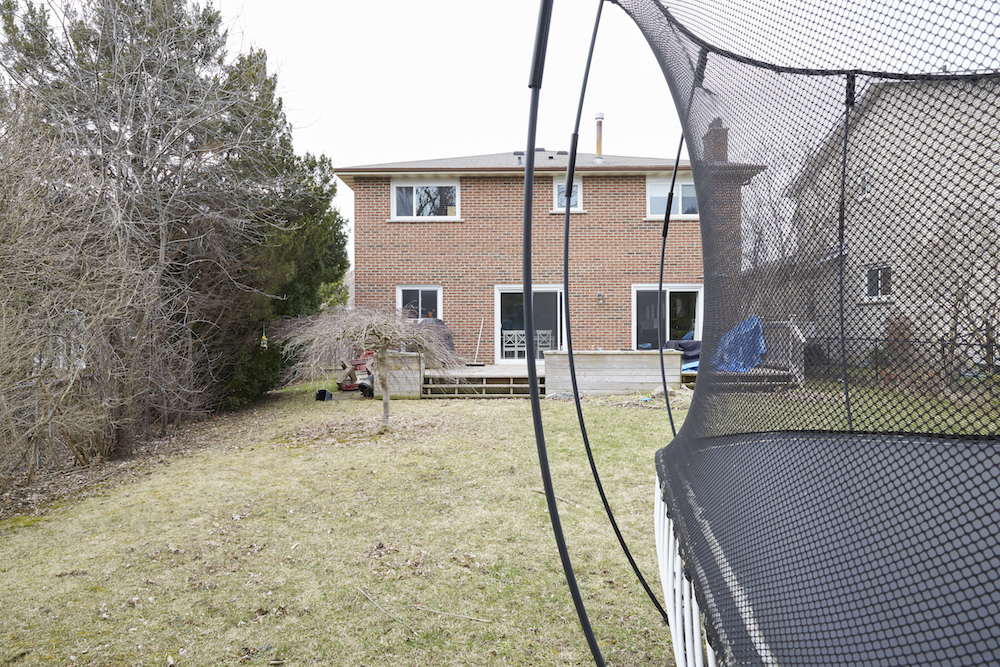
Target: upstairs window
(879, 281)
(865, 185)
(425, 201)
(685, 203)
(559, 199)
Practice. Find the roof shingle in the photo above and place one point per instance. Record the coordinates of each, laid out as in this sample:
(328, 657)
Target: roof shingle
(545, 161)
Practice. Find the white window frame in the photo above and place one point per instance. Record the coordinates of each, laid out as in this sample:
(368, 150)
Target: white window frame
(865, 184)
(517, 288)
(682, 180)
(577, 185)
(399, 298)
(881, 297)
(414, 183)
(699, 315)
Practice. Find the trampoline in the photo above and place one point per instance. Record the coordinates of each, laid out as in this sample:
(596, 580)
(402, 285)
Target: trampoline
(841, 548)
(846, 157)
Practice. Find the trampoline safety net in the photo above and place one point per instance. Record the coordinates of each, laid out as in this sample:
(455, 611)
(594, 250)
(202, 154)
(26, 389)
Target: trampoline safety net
(834, 489)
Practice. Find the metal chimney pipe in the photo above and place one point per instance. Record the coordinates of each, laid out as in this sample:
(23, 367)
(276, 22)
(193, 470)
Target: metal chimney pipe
(599, 159)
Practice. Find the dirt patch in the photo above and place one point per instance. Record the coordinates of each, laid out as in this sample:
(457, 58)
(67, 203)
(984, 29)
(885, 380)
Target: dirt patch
(679, 400)
(20, 498)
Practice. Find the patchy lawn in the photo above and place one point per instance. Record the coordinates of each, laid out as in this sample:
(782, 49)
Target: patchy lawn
(292, 534)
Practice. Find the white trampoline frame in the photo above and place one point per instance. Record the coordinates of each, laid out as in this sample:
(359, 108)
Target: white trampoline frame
(691, 648)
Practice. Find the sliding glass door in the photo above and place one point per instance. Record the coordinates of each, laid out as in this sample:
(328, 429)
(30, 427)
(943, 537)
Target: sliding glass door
(680, 311)
(511, 335)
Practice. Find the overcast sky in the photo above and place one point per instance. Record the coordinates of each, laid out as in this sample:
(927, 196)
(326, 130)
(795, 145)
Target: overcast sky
(369, 81)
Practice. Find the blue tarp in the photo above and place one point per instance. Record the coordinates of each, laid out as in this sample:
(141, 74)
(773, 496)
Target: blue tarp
(741, 348)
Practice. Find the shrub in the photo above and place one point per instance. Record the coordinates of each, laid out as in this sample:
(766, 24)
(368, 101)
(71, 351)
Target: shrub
(257, 372)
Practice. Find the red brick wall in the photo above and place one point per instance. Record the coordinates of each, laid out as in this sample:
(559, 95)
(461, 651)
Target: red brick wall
(612, 246)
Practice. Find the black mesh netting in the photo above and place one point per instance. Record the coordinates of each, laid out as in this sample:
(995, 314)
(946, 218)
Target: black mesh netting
(835, 485)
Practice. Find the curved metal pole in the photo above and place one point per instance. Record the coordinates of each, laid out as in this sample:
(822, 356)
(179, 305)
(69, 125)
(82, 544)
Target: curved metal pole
(659, 293)
(537, 67)
(569, 329)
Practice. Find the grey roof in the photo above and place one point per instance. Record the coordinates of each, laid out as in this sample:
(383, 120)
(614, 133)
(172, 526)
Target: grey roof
(512, 162)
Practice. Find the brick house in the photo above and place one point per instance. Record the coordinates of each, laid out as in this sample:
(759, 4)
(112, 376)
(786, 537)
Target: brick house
(442, 238)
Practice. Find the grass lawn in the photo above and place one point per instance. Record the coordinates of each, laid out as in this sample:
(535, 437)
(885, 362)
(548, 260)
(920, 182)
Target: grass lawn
(878, 407)
(292, 534)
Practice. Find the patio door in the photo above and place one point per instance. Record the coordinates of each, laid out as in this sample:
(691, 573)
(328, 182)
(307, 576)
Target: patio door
(547, 310)
(680, 311)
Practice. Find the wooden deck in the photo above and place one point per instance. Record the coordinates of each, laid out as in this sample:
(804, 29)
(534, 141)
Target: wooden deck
(499, 381)
(604, 372)
(598, 373)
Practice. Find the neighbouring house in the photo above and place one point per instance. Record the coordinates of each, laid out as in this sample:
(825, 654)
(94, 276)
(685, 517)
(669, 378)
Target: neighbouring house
(921, 280)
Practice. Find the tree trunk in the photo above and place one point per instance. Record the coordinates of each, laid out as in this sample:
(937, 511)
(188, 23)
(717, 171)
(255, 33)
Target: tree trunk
(382, 372)
(385, 400)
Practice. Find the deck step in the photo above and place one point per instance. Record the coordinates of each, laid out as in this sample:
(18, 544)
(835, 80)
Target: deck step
(479, 387)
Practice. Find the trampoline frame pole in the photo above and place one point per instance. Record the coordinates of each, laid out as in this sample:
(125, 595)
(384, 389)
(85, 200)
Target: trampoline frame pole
(535, 84)
(689, 638)
(841, 223)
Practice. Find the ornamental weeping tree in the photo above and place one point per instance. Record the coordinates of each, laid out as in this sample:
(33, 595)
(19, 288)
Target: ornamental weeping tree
(319, 343)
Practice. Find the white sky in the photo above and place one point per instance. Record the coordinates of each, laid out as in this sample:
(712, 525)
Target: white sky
(369, 81)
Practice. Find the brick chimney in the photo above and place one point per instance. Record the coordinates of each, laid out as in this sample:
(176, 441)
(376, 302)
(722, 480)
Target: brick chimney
(716, 142)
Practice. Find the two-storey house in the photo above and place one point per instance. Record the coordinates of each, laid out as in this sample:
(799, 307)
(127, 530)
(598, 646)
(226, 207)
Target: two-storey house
(443, 239)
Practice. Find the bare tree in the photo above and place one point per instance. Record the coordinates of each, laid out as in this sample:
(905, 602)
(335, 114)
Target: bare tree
(69, 285)
(966, 292)
(190, 166)
(321, 342)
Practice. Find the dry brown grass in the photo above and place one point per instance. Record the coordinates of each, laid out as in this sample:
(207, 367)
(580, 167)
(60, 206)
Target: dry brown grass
(294, 534)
